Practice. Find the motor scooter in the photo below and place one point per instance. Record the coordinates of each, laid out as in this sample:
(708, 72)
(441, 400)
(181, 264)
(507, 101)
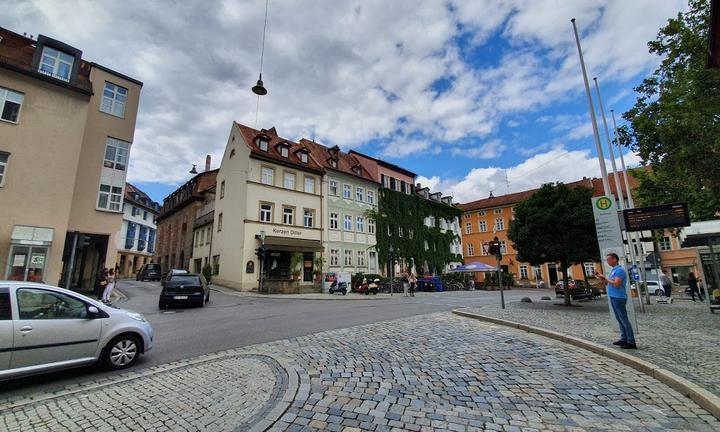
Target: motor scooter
(336, 287)
(365, 288)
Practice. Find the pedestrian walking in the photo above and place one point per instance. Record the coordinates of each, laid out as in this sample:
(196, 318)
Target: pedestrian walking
(101, 283)
(109, 287)
(413, 284)
(615, 283)
(693, 283)
(666, 283)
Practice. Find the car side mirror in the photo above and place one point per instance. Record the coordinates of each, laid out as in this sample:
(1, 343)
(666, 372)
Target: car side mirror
(93, 312)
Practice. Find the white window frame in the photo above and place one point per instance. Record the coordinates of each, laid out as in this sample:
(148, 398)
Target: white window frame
(361, 258)
(289, 184)
(359, 194)
(372, 258)
(263, 144)
(360, 224)
(500, 224)
(334, 257)
(303, 157)
(497, 211)
(222, 189)
(54, 61)
(308, 218)
(284, 151)
(267, 176)
(482, 226)
(481, 213)
(471, 249)
(7, 95)
(4, 161)
(113, 197)
(371, 197)
(309, 185)
(347, 191)
(468, 228)
(266, 214)
(523, 269)
(665, 244)
(348, 257)
(333, 221)
(503, 247)
(589, 268)
(120, 152)
(288, 215)
(333, 187)
(113, 100)
(371, 226)
(347, 223)
(220, 221)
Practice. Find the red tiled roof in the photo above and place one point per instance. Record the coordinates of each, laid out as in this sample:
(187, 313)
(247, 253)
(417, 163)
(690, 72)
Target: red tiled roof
(345, 161)
(144, 199)
(17, 51)
(512, 198)
(249, 134)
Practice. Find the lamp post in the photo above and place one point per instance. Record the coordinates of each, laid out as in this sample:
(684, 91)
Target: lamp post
(262, 259)
(391, 269)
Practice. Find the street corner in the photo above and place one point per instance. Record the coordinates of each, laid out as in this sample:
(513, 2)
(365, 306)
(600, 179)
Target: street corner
(223, 392)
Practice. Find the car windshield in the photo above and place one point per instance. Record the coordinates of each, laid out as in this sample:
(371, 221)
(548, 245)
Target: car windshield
(184, 280)
(155, 267)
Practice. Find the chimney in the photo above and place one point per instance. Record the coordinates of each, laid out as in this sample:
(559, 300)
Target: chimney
(207, 163)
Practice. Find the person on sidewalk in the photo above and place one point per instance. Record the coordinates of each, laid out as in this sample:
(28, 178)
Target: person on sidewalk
(413, 284)
(693, 283)
(109, 287)
(615, 283)
(666, 283)
(101, 283)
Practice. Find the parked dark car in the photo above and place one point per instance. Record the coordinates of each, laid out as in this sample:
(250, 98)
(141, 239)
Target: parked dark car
(149, 271)
(184, 289)
(172, 272)
(578, 290)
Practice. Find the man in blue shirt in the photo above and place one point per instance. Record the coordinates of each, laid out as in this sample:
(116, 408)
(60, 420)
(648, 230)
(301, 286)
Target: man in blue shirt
(615, 283)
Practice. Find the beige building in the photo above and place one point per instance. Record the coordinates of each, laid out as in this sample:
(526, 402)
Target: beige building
(66, 128)
(267, 184)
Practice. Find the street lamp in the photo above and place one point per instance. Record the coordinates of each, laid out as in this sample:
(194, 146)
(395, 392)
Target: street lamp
(391, 271)
(193, 170)
(259, 89)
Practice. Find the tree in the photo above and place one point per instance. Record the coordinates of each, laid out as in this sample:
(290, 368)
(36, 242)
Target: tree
(675, 122)
(555, 224)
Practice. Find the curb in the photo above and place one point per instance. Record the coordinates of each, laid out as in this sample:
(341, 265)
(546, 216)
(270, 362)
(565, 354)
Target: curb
(704, 398)
(330, 297)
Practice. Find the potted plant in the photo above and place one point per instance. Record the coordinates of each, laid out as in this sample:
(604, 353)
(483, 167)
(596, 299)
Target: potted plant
(318, 264)
(296, 262)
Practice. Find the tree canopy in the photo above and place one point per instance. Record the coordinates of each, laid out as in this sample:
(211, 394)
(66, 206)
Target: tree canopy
(675, 123)
(556, 224)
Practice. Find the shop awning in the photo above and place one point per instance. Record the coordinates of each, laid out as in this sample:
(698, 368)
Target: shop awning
(292, 244)
(29, 235)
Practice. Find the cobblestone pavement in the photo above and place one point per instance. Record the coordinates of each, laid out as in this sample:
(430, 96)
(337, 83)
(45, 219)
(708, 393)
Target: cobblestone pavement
(682, 337)
(424, 373)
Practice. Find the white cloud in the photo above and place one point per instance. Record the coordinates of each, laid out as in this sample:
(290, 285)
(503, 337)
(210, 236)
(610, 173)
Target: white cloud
(488, 150)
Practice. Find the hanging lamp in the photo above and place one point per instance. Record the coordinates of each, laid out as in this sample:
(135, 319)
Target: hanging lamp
(259, 89)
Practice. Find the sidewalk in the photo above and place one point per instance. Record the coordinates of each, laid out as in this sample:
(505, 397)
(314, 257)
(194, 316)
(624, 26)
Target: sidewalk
(681, 337)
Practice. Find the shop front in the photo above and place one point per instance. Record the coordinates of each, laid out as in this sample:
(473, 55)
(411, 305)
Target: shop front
(29, 253)
(83, 261)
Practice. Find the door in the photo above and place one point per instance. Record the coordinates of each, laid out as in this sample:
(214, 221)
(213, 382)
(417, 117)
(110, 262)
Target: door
(27, 263)
(6, 329)
(553, 274)
(51, 327)
(308, 266)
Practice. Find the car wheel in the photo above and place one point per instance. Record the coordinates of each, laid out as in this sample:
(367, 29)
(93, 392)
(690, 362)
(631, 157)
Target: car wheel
(659, 292)
(344, 292)
(162, 305)
(123, 351)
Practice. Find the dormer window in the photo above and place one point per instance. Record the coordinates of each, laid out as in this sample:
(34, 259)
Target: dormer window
(332, 162)
(284, 151)
(356, 169)
(263, 143)
(56, 63)
(303, 157)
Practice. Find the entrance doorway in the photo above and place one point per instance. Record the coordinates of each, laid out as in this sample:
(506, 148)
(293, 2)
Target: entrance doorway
(83, 260)
(308, 266)
(552, 274)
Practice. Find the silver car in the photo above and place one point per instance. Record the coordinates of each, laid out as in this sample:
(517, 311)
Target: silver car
(45, 328)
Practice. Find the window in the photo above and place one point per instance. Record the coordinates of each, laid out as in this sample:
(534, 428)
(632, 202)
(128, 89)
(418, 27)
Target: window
(334, 257)
(5, 311)
(310, 184)
(116, 154)
(333, 163)
(333, 221)
(347, 191)
(503, 247)
(268, 176)
(145, 215)
(209, 234)
(348, 223)
(38, 304)
(371, 197)
(56, 63)
(10, 103)
(303, 157)
(481, 213)
(266, 213)
(222, 189)
(333, 187)
(483, 250)
(288, 215)
(3, 167)
(361, 258)
(348, 257)
(135, 211)
(195, 239)
(523, 271)
(471, 249)
(468, 228)
(308, 216)
(359, 194)
(110, 197)
(372, 260)
(232, 154)
(537, 272)
(220, 218)
(202, 237)
(400, 231)
(371, 226)
(499, 224)
(289, 181)
(589, 268)
(411, 233)
(360, 224)
(497, 211)
(263, 144)
(385, 180)
(665, 244)
(284, 151)
(483, 226)
(216, 264)
(466, 215)
(113, 100)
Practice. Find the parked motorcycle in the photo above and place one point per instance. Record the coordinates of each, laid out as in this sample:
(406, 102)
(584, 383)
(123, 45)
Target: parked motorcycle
(340, 287)
(368, 288)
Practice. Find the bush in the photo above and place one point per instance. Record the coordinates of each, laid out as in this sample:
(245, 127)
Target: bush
(491, 279)
(207, 272)
(454, 277)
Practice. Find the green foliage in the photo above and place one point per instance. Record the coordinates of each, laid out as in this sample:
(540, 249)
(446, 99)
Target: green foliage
(207, 272)
(556, 224)
(318, 264)
(507, 278)
(296, 262)
(674, 124)
(399, 210)
(454, 277)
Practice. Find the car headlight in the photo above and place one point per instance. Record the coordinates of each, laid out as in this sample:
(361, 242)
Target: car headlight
(136, 316)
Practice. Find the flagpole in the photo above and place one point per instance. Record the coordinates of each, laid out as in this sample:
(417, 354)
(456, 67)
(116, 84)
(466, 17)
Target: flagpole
(618, 188)
(598, 145)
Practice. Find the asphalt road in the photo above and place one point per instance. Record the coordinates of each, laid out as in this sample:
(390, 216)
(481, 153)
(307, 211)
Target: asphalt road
(232, 321)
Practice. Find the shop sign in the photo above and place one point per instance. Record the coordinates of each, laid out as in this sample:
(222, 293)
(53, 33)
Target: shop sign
(286, 232)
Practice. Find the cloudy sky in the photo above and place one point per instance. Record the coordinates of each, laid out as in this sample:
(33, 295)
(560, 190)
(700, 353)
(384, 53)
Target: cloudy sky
(472, 95)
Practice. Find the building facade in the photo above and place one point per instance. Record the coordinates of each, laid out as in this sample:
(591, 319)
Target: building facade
(349, 194)
(176, 221)
(66, 129)
(136, 243)
(270, 192)
(202, 232)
